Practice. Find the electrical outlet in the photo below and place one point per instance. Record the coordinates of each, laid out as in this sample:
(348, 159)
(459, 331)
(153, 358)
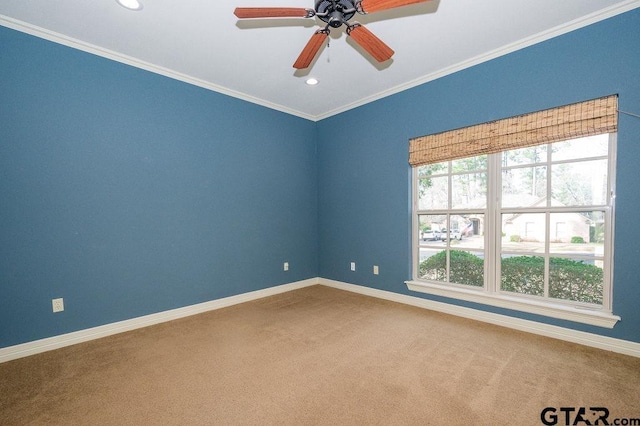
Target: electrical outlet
(376, 271)
(353, 266)
(57, 305)
(286, 266)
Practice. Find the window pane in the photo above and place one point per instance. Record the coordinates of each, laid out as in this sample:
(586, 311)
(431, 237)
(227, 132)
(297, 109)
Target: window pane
(426, 252)
(432, 193)
(430, 227)
(459, 223)
(469, 191)
(522, 274)
(471, 164)
(523, 232)
(592, 146)
(579, 184)
(467, 232)
(581, 233)
(524, 187)
(576, 280)
(433, 265)
(432, 169)
(466, 268)
(531, 155)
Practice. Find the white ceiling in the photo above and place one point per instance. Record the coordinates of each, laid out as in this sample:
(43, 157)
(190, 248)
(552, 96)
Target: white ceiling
(203, 43)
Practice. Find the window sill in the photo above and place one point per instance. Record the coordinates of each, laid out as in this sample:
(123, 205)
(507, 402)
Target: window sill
(571, 313)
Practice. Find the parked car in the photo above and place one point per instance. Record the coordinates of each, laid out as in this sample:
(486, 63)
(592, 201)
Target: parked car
(431, 235)
(452, 233)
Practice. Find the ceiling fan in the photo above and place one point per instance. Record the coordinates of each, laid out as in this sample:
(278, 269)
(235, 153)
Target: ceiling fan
(335, 13)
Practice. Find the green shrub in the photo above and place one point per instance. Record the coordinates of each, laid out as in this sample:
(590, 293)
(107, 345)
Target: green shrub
(523, 274)
(575, 280)
(577, 240)
(568, 279)
(465, 268)
(514, 238)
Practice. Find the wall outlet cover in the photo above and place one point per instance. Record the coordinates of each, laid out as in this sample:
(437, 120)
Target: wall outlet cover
(57, 304)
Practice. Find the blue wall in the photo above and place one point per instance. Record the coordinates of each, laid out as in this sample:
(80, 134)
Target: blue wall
(128, 193)
(364, 178)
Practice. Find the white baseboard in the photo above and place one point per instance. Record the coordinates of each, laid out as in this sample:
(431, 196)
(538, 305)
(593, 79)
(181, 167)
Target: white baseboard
(68, 339)
(588, 339)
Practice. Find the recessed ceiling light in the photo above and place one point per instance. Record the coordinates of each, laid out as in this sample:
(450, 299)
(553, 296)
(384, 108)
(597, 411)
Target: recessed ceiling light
(130, 4)
(312, 81)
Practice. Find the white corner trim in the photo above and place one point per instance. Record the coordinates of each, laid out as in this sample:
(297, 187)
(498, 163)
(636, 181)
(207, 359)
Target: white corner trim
(43, 345)
(585, 316)
(583, 338)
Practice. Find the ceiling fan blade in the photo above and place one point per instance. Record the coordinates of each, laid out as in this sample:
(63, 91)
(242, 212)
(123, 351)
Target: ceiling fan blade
(271, 12)
(311, 49)
(369, 6)
(369, 42)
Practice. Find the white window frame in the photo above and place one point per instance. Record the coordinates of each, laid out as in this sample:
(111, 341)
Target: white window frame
(490, 293)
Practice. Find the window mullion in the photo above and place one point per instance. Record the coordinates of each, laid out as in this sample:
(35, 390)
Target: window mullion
(414, 224)
(607, 295)
(448, 217)
(547, 220)
(492, 233)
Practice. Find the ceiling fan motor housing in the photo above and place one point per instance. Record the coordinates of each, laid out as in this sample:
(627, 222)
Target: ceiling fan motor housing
(335, 12)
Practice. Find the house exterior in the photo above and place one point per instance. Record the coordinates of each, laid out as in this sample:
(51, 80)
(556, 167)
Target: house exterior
(563, 227)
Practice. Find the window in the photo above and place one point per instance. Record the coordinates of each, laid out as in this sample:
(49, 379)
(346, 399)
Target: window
(528, 228)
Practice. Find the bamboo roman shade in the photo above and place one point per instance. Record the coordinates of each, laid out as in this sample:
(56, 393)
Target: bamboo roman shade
(552, 125)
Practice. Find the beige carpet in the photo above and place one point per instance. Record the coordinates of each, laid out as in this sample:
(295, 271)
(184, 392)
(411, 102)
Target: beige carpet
(316, 356)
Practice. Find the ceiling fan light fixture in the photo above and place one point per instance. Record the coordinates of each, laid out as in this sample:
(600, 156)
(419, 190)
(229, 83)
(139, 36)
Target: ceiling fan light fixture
(335, 13)
(130, 4)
